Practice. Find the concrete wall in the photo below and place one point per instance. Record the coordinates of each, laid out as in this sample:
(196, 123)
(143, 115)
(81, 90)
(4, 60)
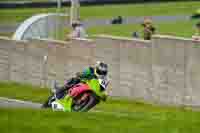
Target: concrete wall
(164, 70)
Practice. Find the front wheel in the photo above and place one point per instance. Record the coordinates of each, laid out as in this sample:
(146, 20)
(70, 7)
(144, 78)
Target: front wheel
(84, 102)
(47, 103)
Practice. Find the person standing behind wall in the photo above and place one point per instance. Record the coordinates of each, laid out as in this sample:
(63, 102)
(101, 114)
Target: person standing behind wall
(148, 30)
(78, 31)
(196, 36)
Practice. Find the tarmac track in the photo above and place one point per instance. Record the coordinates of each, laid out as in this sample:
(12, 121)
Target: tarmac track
(13, 103)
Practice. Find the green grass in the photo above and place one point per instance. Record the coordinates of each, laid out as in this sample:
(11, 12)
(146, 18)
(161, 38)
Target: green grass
(107, 11)
(36, 94)
(147, 9)
(117, 116)
(9, 16)
(32, 121)
(179, 28)
(23, 91)
(6, 34)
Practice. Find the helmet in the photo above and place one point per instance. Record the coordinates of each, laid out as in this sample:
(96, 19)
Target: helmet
(76, 23)
(101, 69)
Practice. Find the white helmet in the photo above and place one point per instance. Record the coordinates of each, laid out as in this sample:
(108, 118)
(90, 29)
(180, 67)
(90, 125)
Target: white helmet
(101, 69)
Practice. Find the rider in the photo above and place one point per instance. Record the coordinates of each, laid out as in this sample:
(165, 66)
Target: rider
(99, 71)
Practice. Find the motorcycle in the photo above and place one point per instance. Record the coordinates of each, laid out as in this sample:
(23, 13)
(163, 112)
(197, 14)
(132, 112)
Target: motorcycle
(79, 98)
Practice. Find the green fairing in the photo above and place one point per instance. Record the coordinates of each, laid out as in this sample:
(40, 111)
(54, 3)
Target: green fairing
(66, 102)
(95, 86)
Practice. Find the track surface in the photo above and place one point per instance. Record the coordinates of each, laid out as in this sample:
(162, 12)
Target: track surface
(13, 103)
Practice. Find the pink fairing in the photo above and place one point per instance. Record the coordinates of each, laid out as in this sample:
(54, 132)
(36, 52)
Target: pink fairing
(78, 89)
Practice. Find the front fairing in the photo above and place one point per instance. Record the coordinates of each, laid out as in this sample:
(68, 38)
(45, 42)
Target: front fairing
(66, 102)
(95, 87)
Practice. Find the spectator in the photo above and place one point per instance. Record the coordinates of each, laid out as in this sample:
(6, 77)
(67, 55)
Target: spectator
(78, 31)
(197, 34)
(149, 29)
(117, 20)
(197, 29)
(135, 34)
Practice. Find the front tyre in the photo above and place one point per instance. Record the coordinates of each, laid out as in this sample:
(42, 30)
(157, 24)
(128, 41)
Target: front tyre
(47, 104)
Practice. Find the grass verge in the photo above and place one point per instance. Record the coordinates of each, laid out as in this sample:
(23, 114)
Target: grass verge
(117, 116)
(23, 91)
(143, 121)
(35, 94)
(178, 28)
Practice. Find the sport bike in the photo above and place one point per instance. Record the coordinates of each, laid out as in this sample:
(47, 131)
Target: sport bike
(80, 97)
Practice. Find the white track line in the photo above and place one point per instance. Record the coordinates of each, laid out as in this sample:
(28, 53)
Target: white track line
(6, 102)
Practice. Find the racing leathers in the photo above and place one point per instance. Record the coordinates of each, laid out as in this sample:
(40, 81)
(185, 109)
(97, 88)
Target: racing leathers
(86, 74)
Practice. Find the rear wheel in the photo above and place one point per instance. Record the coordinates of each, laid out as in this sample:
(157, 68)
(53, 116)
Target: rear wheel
(85, 102)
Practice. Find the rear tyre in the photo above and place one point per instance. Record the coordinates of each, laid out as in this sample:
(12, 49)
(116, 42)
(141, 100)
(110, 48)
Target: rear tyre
(84, 102)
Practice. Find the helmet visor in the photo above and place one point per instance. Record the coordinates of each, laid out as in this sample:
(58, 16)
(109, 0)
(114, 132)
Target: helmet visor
(101, 72)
